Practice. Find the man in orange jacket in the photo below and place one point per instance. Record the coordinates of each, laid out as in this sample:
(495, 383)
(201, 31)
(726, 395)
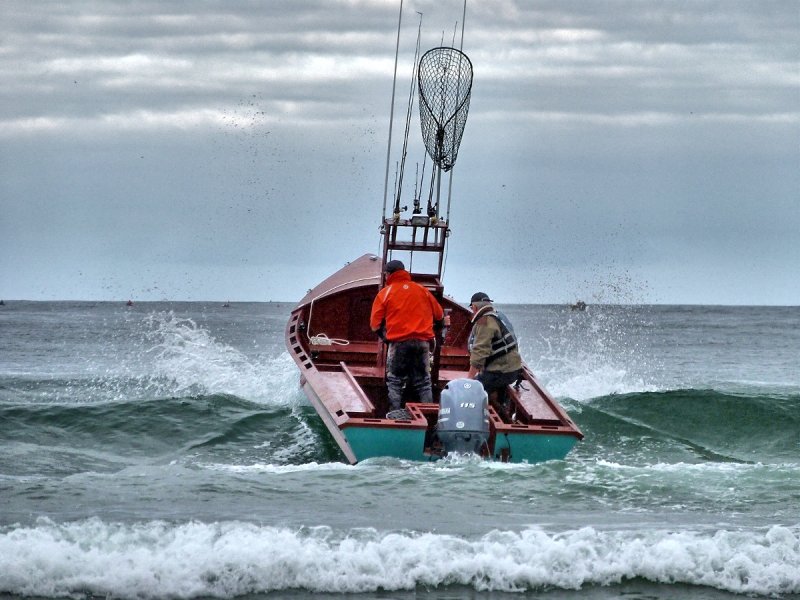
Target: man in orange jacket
(407, 311)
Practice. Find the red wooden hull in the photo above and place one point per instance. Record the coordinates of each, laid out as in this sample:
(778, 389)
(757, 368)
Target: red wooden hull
(342, 373)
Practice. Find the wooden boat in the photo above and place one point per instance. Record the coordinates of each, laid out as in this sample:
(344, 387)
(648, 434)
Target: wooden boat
(342, 362)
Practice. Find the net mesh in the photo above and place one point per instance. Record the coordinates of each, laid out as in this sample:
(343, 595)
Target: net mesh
(445, 85)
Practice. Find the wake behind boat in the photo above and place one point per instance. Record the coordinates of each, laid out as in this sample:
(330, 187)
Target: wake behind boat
(342, 363)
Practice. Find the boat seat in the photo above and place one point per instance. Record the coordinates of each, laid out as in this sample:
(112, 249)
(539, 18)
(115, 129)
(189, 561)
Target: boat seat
(352, 353)
(356, 347)
(451, 351)
(351, 398)
(366, 371)
(377, 372)
(451, 374)
(533, 406)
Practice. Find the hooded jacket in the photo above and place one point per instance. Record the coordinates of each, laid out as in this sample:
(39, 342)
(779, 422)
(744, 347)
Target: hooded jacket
(407, 308)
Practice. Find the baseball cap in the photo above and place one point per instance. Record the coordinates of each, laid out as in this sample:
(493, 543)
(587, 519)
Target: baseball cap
(394, 265)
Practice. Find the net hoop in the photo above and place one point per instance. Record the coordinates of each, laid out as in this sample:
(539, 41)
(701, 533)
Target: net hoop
(445, 88)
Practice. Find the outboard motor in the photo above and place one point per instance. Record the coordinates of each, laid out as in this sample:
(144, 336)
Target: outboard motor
(463, 424)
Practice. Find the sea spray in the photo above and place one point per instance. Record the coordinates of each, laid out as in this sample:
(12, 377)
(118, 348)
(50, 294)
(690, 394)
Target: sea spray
(194, 361)
(587, 354)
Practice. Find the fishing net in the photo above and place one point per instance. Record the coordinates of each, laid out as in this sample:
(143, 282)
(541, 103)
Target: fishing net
(445, 85)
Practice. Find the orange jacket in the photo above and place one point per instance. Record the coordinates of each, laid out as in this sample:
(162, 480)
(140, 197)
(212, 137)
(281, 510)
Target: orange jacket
(408, 308)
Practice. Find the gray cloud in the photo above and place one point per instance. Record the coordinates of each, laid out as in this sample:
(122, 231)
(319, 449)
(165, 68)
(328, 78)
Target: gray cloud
(188, 150)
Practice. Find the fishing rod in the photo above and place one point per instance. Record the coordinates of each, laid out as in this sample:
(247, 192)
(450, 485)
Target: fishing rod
(409, 112)
(452, 171)
(416, 209)
(391, 115)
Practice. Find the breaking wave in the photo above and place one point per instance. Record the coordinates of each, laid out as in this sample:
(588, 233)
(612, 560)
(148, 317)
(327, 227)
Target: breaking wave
(157, 559)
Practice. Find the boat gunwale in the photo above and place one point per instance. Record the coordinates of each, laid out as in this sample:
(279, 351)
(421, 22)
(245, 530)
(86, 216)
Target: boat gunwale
(334, 286)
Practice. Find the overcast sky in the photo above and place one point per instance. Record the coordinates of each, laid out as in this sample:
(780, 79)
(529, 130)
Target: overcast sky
(616, 151)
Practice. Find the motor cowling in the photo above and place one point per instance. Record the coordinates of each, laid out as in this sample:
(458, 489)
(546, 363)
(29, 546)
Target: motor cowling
(463, 424)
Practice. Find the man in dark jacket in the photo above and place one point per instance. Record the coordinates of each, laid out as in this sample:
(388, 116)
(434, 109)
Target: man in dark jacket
(407, 310)
(494, 357)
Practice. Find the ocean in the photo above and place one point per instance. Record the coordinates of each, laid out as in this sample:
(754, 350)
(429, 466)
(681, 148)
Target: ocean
(165, 450)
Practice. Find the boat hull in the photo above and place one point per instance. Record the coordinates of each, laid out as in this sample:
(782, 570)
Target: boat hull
(372, 442)
(341, 362)
(533, 448)
(409, 444)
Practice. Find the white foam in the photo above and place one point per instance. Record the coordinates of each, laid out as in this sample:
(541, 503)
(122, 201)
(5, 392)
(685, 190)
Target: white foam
(591, 355)
(273, 469)
(189, 360)
(157, 559)
(682, 468)
(596, 381)
(706, 468)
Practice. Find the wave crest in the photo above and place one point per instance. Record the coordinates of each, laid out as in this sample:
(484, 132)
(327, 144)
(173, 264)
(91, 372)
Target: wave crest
(709, 424)
(157, 559)
(191, 361)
